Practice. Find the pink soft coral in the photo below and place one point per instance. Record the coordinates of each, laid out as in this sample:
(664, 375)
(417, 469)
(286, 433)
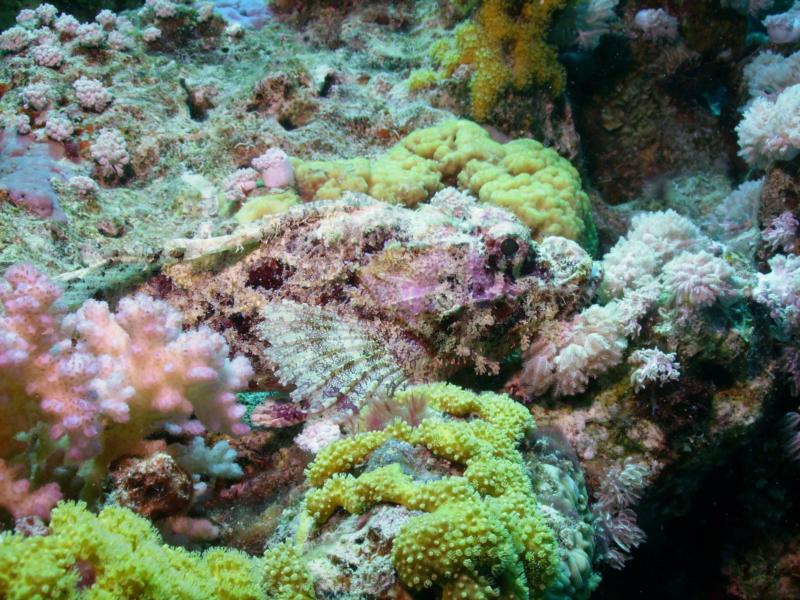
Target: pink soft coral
(103, 380)
(16, 495)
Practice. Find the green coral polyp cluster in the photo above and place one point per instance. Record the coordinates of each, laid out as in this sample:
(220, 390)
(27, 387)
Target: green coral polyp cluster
(482, 534)
(505, 48)
(119, 555)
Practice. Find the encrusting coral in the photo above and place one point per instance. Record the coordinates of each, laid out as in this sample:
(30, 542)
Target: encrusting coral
(506, 46)
(481, 534)
(535, 183)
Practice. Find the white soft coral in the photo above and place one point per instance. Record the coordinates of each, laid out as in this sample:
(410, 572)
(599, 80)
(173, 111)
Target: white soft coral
(654, 239)
(698, 279)
(779, 290)
(770, 130)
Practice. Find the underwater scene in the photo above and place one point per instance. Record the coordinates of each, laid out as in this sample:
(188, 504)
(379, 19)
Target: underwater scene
(411, 300)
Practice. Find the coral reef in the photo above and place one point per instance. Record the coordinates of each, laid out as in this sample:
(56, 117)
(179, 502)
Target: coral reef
(278, 321)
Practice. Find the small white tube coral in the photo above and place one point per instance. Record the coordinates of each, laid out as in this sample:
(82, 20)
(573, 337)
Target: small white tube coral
(654, 239)
(734, 221)
(318, 434)
(83, 187)
(48, 55)
(90, 35)
(91, 94)
(571, 354)
(107, 19)
(784, 28)
(46, 13)
(151, 34)
(653, 366)
(59, 127)
(162, 9)
(36, 96)
(593, 19)
(782, 232)
(239, 184)
(67, 25)
(779, 290)
(110, 152)
(15, 39)
(768, 74)
(275, 168)
(218, 460)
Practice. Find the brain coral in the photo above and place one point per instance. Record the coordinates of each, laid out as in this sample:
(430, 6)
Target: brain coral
(482, 534)
(542, 188)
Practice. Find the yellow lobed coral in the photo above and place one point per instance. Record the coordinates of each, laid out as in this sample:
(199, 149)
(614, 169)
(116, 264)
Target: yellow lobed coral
(119, 555)
(542, 188)
(505, 48)
(486, 521)
(270, 203)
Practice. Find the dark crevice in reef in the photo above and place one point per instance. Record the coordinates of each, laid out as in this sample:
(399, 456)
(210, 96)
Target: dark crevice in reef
(710, 512)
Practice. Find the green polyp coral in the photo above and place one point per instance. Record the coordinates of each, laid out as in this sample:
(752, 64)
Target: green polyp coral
(481, 534)
(119, 555)
(505, 45)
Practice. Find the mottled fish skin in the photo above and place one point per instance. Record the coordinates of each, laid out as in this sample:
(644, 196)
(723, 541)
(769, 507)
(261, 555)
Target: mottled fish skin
(452, 284)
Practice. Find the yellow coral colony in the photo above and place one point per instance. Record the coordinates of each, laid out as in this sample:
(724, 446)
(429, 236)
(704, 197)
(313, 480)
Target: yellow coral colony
(486, 521)
(119, 555)
(504, 49)
(535, 183)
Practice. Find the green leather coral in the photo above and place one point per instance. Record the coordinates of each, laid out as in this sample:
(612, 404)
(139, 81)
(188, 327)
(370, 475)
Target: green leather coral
(482, 534)
(506, 48)
(542, 188)
(118, 555)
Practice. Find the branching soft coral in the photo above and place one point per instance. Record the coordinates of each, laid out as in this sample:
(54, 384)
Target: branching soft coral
(505, 48)
(102, 381)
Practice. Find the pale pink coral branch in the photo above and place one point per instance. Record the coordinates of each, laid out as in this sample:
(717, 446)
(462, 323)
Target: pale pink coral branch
(108, 380)
(17, 497)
